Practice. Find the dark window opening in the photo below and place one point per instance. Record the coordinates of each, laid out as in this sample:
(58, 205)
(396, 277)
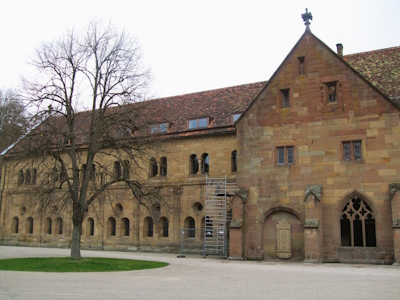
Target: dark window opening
(15, 225)
(332, 92)
(163, 166)
(302, 66)
(20, 177)
(48, 225)
(117, 170)
(126, 169)
(285, 155)
(150, 225)
(192, 226)
(285, 99)
(234, 161)
(352, 150)
(205, 163)
(29, 225)
(153, 167)
(357, 218)
(28, 177)
(193, 164)
(125, 227)
(59, 226)
(112, 226)
(90, 227)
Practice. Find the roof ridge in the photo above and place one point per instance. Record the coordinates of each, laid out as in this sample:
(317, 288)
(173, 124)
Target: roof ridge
(213, 90)
(372, 51)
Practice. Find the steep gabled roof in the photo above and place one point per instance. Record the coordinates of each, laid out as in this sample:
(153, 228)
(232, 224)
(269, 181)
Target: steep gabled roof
(380, 67)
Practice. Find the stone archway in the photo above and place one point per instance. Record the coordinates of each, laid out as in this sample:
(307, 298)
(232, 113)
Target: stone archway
(269, 236)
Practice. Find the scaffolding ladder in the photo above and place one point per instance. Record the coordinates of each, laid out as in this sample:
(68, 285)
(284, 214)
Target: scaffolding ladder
(217, 216)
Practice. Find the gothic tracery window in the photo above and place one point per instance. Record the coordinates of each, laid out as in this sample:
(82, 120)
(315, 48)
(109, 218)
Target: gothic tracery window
(357, 224)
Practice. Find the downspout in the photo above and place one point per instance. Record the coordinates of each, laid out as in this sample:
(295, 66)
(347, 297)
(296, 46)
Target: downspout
(1, 201)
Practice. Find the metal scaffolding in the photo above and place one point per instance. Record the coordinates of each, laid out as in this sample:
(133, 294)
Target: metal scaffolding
(217, 218)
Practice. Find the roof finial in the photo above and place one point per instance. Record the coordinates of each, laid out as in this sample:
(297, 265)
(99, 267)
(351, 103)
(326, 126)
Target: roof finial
(306, 18)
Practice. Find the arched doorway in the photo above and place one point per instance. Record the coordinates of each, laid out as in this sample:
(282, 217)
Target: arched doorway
(296, 235)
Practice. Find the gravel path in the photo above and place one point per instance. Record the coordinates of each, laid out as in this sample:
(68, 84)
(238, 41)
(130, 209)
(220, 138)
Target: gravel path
(196, 278)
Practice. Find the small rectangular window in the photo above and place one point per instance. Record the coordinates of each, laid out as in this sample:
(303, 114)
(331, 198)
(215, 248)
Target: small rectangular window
(281, 156)
(285, 99)
(301, 66)
(198, 123)
(352, 150)
(285, 155)
(203, 122)
(332, 92)
(193, 124)
(159, 128)
(163, 127)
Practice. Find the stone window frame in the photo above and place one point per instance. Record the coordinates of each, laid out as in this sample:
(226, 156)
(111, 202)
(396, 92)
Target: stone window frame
(59, 226)
(153, 167)
(29, 226)
(205, 163)
(361, 236)
(15, 226)
(111, 227)
(193, 164)
(163, 166)
(281, 100)
(48, 224)
(148, 227)
(302, 65)
(234, 161)
(285, 155)
(353, 153)
(90, 227)
(163, 227)
(328, 87)
(125, 227)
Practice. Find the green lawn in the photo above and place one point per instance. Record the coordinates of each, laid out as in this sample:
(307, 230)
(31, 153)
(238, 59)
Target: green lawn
(66, 264)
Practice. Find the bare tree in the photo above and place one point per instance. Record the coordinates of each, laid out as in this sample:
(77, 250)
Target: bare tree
(12, 118)
(79, 155)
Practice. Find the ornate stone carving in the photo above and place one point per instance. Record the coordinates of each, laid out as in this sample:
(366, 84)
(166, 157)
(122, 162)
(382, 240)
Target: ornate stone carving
(283, 239)
(315, 189)
(236, 223)
(242, 193)
(311, 223)
(394, 187)
(396, 223)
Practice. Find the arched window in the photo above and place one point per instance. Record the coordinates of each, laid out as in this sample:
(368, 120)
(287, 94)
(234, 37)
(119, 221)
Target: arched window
(93, 173)
(47, 225)
(148, 227)
(153, 167)
(55, 175)
(124, 227)
(20, 177)
(234, 161)
(29, 225)
(357, 224)
(59, 226)
(90, 227)
(83, 171)
(193, 164)
(118, 208)
(163, 166)
(126, 169)
(117, 170)
(34, 176)
(205, 163)
(111, 226)
(15, 225)
(28, 177)
(190, 225)
(163, 227)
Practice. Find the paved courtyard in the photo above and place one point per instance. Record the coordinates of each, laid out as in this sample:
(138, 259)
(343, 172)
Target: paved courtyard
(196, 278)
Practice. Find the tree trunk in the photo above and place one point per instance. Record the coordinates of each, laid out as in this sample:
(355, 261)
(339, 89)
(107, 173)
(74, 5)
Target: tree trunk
(76, 240)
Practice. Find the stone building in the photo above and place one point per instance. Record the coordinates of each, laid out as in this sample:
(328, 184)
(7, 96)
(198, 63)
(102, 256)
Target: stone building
(314, 151)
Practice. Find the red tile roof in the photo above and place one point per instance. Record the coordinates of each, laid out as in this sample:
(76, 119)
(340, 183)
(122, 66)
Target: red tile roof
(218, 105)
(380, 67)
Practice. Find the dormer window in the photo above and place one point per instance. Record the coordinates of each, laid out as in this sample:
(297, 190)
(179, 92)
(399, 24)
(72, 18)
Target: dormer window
(198, 123)
(159, 128)
(236, 117)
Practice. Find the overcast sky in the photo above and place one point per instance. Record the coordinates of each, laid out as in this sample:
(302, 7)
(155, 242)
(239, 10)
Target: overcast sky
(194, 46)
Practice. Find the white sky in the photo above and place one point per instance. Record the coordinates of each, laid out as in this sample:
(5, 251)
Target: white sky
(194, 46)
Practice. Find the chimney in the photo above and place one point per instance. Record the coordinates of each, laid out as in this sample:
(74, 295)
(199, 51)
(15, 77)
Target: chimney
(339, 48)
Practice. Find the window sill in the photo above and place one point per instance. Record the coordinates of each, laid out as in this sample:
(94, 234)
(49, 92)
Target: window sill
(352, 161)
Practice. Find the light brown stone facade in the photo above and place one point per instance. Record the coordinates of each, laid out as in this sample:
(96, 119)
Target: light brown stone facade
(318, 154)
(316, 131)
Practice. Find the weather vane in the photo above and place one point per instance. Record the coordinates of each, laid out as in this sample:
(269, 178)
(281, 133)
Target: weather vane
(306, 18)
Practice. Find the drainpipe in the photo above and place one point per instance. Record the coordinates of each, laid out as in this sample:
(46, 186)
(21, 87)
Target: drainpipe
(244, 229)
